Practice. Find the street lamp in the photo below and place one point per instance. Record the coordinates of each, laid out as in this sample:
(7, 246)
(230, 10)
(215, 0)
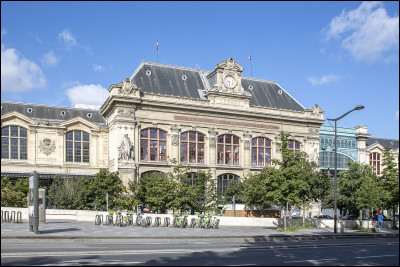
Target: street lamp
(335, 176)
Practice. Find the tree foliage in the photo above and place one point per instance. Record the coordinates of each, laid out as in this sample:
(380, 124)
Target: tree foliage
(14, 195)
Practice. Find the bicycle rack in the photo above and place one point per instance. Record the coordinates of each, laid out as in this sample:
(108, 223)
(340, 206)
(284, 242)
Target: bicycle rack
(19, 215)
(109, 220)
(12, 216)
(166, 222)
(148, 221)
(99, 219)
(157, 221)
(6, 216)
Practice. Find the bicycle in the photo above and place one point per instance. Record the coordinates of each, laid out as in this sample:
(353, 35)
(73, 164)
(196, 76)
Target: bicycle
(175, 219)
(129, 218)
(140, 220)
(119, 220)
(206, 222)
(182, 222)
(214, 223)
(109, 218)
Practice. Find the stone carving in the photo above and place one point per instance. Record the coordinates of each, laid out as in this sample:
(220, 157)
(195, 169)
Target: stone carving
(212, 142)
(247, 144)
(175, 139)
(46, 146)
(126, 112)
(126, 149)
(127, 87)
(316, 111)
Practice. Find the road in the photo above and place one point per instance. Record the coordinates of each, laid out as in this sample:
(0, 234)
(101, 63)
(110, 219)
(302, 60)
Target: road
(348, 252)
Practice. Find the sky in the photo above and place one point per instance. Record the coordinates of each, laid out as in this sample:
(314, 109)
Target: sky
(334, 54)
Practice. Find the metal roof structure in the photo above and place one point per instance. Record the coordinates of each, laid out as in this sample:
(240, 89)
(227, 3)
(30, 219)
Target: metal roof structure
(172, 80)
(393, 143)
(53, 114)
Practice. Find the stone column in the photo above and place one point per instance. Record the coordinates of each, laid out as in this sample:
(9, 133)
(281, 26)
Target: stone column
(175, 135)
(212, 141)
(247, 149)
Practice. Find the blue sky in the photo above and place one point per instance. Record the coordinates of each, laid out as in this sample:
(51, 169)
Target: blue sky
(334, 54)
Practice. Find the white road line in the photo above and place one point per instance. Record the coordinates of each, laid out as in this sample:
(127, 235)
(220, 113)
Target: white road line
(380, 256)
(312, 261)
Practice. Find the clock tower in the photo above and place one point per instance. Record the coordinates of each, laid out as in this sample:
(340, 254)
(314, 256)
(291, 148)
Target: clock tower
(226, 86)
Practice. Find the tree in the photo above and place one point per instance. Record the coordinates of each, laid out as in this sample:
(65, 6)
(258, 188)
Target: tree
(350, 181)
(369, 195)
(14, 195)
(390, 181)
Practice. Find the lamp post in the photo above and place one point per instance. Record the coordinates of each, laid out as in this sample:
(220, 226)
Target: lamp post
(335, 176)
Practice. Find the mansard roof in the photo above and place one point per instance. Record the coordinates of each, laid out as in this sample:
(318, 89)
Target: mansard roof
(53, 114)
(393, 143)
(172, 80)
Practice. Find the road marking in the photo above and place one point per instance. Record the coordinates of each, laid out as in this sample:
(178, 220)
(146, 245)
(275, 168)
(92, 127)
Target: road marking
(311, 261)
(380, 256)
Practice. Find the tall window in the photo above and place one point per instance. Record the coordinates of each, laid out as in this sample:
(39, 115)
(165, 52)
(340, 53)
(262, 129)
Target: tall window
(261, 152)
(153, 145)
(14, 140)
(228, 149)
(192, 147)
(294, 145)
(77, 146)
(375, 162)
(148, 173)
(223, 181)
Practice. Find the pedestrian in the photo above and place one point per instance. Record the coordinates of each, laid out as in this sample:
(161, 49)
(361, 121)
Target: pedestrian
(380, 221)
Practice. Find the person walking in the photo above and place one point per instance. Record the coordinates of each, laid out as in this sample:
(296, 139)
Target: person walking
(380, 221)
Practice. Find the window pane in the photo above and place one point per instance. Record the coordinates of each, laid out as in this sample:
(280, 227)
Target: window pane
(254, 141)
(260, 156)
(4, 131)
(235, 140)
(4, 147)
(78, 135)
(163, 151)
(228, 139)
(85, 137)
(144, 133)
(78, 152)
(260, 141)
(200, 137)
(22, 132)
(192, 136)
(153, 150)
(153, 133)
(183, 152)
(14, 130)
(267, 142)
(23, 149)
(69, 152)
(184, 137)
(143, 149)
(192, 153)
(14, 148)
(200, 153)
(162, 135)
(297, 145)
(220, 139)
(69, 136)
(254, 156)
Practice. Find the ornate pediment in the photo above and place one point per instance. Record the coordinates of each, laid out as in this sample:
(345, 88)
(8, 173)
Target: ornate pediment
(316, 111)
(229, 64)
(127, 87)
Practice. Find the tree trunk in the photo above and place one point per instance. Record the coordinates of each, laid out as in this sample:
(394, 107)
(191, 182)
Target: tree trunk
(304, 214)
(368, 219)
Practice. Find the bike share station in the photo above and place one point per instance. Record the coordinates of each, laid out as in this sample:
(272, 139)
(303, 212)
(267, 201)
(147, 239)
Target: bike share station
(36, 204)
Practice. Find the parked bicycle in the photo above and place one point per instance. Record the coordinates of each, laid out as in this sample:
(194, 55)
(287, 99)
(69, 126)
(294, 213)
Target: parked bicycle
(214, 223)
(129, 218)
(110, 218)
(119, 220)
(140, 220)
(182, 221)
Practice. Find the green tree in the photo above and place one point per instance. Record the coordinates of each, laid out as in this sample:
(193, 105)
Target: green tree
(14, 195)
(390, 181)
(234, 189)
(349, 182)
(62, 193)
(369, 195)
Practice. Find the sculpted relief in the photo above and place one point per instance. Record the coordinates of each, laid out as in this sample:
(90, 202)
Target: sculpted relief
(46, 146)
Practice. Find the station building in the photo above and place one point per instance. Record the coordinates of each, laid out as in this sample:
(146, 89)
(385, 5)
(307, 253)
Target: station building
(214, 120)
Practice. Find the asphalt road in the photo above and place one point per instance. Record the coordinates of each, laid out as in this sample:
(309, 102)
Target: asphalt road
(332, 252)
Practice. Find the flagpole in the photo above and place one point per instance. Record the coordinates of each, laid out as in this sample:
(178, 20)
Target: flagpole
(157, 48)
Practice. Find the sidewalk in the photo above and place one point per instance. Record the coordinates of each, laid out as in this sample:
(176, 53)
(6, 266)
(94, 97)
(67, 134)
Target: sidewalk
(75, 230)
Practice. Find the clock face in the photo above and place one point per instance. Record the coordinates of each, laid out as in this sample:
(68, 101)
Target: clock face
(230, 82)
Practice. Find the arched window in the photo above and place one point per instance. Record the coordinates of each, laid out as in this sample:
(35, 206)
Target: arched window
(77, 144)
(14, 142)
(223, 181)
(192, 147)
(375, 162)
(148, 173)
(191, 178)
(261, 151)
(153, 145)
(327, 159)
(228, 149)
(294, 145)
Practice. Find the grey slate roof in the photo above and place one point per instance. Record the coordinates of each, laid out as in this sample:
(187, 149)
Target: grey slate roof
(393, 143)
(53, 114)
(167, 79)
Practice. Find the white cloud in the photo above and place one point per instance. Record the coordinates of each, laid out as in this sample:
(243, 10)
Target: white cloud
(366, 32)
(323, 79)
(98, 67)
(90, 94)
(19, 74)
(50, 59)
(67, 38)
(397, 114)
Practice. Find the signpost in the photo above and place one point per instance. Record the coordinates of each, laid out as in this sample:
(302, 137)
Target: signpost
(33, 198)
